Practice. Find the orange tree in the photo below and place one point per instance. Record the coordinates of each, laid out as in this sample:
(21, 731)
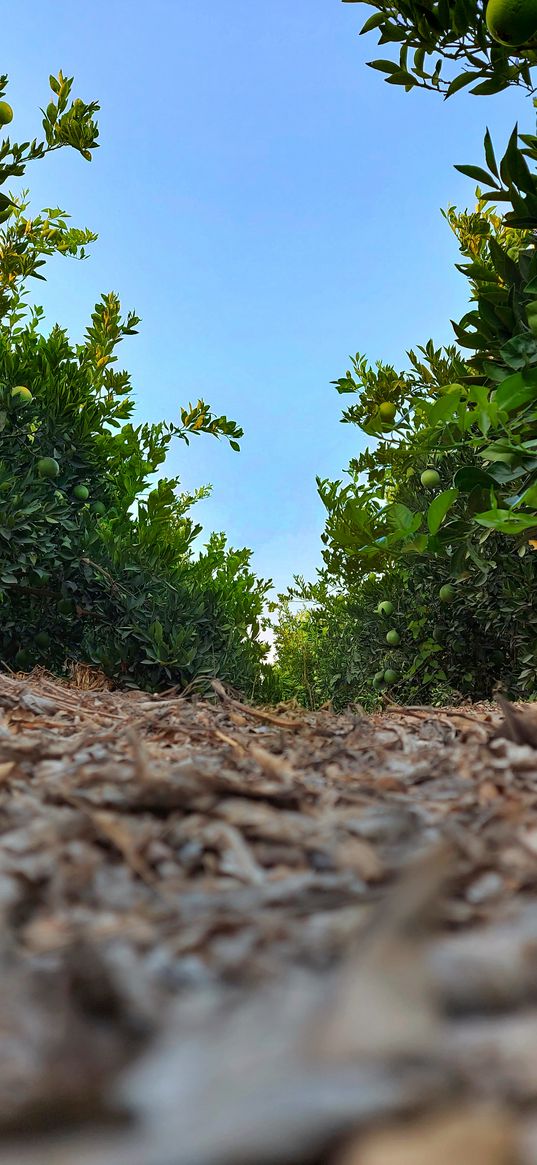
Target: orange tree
(97, 561)
(445, 46)
(438, 518)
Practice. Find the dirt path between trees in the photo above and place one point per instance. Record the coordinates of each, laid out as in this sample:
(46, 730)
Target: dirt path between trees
(233, 937)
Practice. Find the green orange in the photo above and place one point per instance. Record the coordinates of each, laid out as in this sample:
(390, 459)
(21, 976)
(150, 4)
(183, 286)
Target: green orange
(81, 493)
(66, 606)
(48, 467)
(6, 113)
(393, 638)
(24, 395)
(430, 478)
(512, 22)
(387, 411)
(446, 593)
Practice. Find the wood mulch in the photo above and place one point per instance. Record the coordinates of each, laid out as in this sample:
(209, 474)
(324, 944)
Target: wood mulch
(236, 936)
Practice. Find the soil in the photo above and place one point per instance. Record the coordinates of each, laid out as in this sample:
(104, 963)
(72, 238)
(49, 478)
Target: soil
(236, 936)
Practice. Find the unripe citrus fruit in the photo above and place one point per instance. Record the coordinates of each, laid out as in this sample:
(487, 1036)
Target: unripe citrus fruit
(446, 593)
(6, 113)
(385, 608)
(81, 492)
(48, 467)
(512, 22)
(42, 640)
(22, 394)
(66, 606)
(390, 676)
(99, 507)
(387, 411)
(393, 638)
(430, 478)
(22, 660)
(378, 678)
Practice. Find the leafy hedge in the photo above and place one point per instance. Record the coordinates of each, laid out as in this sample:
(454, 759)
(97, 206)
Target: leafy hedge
(97, 555)
(439, 515)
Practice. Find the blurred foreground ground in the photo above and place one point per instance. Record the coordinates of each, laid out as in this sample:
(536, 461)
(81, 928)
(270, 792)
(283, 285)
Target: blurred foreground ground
(236, 937)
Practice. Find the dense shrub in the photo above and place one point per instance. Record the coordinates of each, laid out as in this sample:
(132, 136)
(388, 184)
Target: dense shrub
(97, 559)
(439, 515)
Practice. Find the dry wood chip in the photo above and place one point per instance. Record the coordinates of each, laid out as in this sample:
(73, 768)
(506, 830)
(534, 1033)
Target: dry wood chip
(301, 924)
(479, 1136)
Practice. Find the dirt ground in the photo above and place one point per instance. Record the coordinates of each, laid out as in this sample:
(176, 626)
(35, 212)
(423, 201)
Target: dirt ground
(234, 936)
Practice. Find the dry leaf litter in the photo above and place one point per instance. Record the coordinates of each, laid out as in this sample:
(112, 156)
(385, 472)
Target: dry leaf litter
(236, 936)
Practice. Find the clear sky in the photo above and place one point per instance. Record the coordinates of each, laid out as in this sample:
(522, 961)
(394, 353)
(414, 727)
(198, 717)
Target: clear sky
(268, 205)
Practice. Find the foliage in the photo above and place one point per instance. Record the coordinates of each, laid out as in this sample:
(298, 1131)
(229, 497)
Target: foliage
(439, 516)
(484, 642)
(471, 418)
(431, 34)
(112, 577)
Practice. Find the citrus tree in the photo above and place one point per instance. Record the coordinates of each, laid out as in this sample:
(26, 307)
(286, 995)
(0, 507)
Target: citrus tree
(97, 559)
(445, 46)
(438, 517)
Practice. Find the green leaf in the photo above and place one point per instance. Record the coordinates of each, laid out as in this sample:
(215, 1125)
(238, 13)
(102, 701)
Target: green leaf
(374, 21)
(516, 390)
(401, 78)
(503, 264)
(439, 508)
(444, 408)
(500, 450)
(402, 520)
(520, 351)
(506, 522)
(477, 173)
(417, 546)
(469, 476)
(489, 87)
(529, 497)
(459, 83)
(384, 66)
(489, 155)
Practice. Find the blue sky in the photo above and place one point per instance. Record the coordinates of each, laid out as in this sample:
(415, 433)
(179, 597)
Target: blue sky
(268, 205)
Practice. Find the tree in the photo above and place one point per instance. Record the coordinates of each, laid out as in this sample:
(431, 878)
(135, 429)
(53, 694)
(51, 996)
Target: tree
(96, 553)
(445, 47)
(440, 514)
